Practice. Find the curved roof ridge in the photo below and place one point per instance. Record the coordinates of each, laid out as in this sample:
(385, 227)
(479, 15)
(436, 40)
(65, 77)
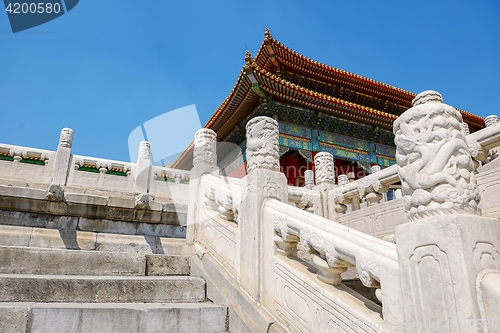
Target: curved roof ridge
(335, 70)
(316, 94)
(215, 116)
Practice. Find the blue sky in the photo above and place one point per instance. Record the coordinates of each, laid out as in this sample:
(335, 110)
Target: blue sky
(108, 66)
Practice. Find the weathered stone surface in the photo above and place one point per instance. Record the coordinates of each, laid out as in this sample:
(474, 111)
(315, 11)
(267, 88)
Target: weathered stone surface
(22, 192)
(91, 206)
(127, 318)
(14, 317)
(161, 230)
(63, 239)
(163, 264)
(98, 289)
(107, 226)
(15, 236)
(37, 220)
(127, 243)
(222, 288)
(440, 261)
(21, 260)
(142, 244)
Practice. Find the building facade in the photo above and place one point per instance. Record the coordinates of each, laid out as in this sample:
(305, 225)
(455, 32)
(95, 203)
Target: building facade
(318, 108)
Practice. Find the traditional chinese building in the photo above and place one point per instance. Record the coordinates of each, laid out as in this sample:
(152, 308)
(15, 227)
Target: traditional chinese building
(318, 107)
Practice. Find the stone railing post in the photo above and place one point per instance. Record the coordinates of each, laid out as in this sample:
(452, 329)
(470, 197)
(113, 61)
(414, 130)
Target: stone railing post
(204, 161)
(377, 190)
(264, 180)
(61, 165)
(355, 204)
(309, 179)
(339, 200)
(142, 175)
(325, 179)
(447, 244)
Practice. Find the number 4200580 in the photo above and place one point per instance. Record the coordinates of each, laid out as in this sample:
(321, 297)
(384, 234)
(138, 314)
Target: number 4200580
(33, 8)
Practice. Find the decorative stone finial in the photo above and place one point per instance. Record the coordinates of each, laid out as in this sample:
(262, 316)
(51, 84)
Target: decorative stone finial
(490, 120)
(434, 162)
(66, 138)
(144, 152)
(262, 144)
(426, 97)
(309, 179)
(323, 164)
(343, 180)
(375, 168)
(205, 141)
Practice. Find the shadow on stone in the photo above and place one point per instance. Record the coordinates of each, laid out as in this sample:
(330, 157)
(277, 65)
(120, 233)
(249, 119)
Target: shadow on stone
(154, 243)
(69, 239)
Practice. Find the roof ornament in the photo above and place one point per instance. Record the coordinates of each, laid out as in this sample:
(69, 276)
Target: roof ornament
(248, 57)
(267, 33)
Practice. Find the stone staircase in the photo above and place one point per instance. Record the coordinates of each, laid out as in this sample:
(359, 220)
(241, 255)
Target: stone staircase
(45, 289)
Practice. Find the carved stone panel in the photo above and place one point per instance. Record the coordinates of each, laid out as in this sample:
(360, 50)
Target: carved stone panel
(323, 164)
(205, 147)
(262, 144)
(434, 162)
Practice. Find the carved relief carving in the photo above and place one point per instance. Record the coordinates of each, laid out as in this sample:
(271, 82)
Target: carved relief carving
(210, 199)
(286, 242)
(66, 138)
(144, 150)
(476, 151)
(486, 257)
(339, 199)
(343, 180)
(306, 202)
(434, 162)
(205, 147)
(323, 164)
(262, 144)
(272, 190)
(226, 207)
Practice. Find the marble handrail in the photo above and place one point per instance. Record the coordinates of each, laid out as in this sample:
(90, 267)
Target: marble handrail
(303, 198)
(221, 195)
(336, 247)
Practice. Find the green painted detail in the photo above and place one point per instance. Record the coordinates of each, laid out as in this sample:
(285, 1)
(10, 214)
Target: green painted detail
(385, 162)
(345, 141)
(87, 169)
(6, 158)
(295, 130)
(256, 88)
(30, 161)
(116, 173)
(295, 143)
(345, 154)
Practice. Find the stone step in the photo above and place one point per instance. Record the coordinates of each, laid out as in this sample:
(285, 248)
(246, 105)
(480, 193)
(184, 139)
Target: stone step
(101, 289)
(91, 241)
(112, 317)
(42, 261)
